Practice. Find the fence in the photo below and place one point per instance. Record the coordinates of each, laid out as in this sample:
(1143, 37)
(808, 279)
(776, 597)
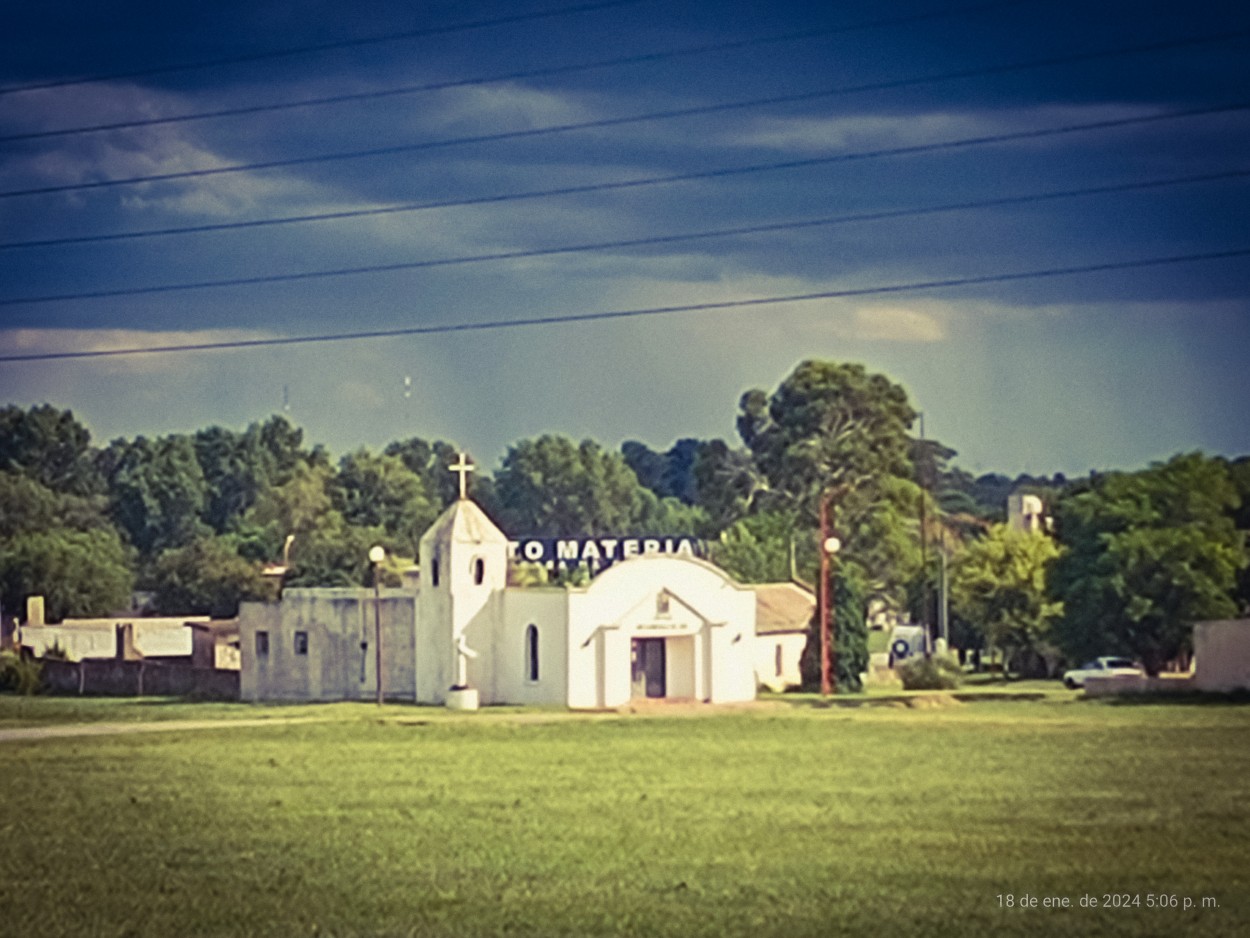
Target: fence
(112, 677)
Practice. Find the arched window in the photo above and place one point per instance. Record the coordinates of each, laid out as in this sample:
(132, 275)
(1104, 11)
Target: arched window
(531, 653)
(479, 570)
(434, 571)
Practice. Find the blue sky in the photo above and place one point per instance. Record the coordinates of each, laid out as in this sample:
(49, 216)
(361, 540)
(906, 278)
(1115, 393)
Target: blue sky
(1041, 374)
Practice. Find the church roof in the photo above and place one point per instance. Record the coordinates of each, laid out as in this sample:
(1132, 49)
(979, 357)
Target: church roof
(782, 607)
(464, 523)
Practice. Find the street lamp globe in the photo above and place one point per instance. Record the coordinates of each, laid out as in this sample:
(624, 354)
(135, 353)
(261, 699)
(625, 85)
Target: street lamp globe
(377, 553)
(832, 545)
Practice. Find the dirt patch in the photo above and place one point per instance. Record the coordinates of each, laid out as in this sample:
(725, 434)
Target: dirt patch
(933, 701)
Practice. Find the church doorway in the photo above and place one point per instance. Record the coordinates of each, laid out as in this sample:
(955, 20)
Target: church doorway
(648, 664)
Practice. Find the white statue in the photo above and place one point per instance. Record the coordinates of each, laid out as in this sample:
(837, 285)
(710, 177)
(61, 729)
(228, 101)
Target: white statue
(463, 654)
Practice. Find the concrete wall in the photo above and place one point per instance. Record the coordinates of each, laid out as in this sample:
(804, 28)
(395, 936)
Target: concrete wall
(547, 610)
(115, 678)
(1222, 655)
(96, 638)
(766, 646)
(334, 665)
(708, 624)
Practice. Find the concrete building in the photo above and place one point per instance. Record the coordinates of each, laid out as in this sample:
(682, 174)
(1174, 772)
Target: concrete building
(1222, 655)
(1026, 513)
(652, 626)
(81, 639)
(783, 615)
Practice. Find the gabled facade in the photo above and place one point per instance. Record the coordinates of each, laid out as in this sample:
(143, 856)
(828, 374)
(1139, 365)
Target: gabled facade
(655, 626)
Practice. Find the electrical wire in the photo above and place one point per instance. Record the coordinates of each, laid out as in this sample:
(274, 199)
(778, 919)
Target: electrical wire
(628, 183)
(322, 47)
(548, 72)
(498, 324)
(649, 241)
(604, 123)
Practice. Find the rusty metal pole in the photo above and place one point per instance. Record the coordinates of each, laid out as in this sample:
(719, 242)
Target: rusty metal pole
(832, 602)
(823, 595)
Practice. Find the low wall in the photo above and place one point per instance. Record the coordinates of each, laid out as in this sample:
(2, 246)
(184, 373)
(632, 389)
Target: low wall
(116, 678)
(1114, 685)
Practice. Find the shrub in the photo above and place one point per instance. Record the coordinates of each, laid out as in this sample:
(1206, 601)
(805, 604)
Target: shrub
(939, 672)
(19, 675)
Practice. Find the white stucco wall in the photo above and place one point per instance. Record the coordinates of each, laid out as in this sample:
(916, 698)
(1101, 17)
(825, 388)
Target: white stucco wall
(791, 645)
(1222, 655)
(97, 638)
(336, 622)
(709, 629)
(462, 600)
(547, 610)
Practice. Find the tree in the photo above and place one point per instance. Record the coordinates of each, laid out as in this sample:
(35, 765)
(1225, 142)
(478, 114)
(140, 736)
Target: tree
(726, 482)
(827, 424)
(835, 427)
(237, 467)
(1148, 554)
(850, 633)
(79, 573)
(49, 446)
(653, 515)
(668, 475)
(432, 462)
(206, 577)
(998, 585)
(757, 548)
(325, 550)
(157, 492)
(649, 466)
(381, 492)
(1239, 475)
(26, 505)
(553, 486)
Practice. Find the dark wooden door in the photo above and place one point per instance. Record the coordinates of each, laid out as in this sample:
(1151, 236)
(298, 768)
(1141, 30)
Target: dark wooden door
(648, 667)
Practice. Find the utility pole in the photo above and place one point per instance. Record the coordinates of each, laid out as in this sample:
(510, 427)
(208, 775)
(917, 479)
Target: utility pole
(829, 545)
(377, 554)
(924, 542)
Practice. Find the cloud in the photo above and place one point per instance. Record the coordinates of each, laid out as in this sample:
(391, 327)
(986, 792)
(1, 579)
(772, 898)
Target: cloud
(871, 131)
(496, 107)
(897, 324)
(142, 151)
(70, 341)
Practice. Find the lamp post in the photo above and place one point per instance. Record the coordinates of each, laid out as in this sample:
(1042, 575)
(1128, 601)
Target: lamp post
(829, 545)
(377, 554)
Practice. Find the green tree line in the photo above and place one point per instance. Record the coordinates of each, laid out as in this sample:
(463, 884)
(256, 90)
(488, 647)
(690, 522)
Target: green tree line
(1135, 557)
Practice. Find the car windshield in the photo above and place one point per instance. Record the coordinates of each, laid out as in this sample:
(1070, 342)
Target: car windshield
(1119, 663)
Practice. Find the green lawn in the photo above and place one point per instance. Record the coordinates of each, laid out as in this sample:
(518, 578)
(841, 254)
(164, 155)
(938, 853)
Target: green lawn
(791, 820)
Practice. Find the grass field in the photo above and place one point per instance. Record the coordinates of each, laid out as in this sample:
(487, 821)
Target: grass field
(787, 820)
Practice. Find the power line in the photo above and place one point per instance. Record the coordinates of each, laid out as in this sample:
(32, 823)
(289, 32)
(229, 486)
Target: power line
(322, 47)
(493, 325)
(649, 241)
(547, 72)
(603, 123)
(590, 188)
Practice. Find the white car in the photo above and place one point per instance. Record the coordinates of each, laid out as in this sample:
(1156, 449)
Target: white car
(1099, 667)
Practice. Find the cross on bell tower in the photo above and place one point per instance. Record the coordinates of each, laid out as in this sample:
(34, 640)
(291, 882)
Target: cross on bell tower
(462, 467)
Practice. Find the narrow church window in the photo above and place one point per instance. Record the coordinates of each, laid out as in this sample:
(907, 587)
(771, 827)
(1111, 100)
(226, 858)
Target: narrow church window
(479, 570)
(262, 644)
(531, 652)
(301, 643)
(778, 662)
(661, 603)
(434, 572)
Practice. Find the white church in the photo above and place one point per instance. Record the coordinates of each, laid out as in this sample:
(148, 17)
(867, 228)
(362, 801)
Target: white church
(652, 626)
